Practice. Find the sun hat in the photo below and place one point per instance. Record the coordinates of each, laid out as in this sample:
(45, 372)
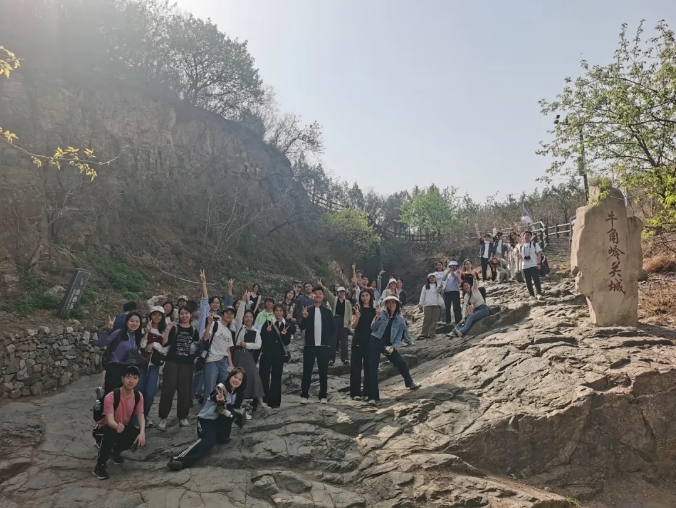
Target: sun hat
(156, 308)
(392, 281)
(453, 263)
(182, 297)
(391, 297)
(228, 308)
(340, 288)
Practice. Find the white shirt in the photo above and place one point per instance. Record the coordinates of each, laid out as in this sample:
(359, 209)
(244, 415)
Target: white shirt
(221, 344)
(529, 249)
(487, 247)
(498, 249)
(429, 297)
(318, 326)
(241, 333)
(526, 220)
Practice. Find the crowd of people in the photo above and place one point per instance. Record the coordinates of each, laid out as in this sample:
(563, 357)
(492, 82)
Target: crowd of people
(228, 355)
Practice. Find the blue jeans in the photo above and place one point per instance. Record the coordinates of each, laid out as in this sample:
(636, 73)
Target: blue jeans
(214, 373)
(197, 384)
(147, 385)
(479, 313)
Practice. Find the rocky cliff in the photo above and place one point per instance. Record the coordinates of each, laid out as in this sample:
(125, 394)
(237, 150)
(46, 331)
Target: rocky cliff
(182, 184)
(535, 408)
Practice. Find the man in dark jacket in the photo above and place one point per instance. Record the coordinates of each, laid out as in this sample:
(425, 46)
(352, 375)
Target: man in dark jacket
(485, 253)
(317, 323)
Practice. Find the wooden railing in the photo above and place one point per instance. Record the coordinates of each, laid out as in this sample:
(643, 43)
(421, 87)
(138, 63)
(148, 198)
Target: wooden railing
(541, 231)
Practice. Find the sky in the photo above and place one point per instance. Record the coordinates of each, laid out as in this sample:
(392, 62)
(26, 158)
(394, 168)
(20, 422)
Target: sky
(428, 91)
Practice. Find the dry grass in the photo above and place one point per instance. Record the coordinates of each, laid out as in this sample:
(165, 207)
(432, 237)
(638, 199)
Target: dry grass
(660, 263)
(657, 301)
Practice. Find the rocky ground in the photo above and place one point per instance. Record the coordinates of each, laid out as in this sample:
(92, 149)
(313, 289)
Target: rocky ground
(534, 409)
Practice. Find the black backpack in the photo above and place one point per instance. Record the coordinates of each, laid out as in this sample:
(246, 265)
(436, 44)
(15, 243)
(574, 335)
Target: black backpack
(97, 410)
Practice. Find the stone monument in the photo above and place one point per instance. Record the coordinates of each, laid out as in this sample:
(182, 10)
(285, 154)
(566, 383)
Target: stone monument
(606, 258)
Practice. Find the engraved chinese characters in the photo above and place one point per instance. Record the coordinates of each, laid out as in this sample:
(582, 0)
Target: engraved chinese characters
(606, 258)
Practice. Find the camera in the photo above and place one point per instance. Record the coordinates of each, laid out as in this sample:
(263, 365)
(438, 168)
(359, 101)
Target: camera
(527, 258)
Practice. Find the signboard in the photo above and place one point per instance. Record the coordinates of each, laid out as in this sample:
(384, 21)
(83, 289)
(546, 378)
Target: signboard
(74, 293)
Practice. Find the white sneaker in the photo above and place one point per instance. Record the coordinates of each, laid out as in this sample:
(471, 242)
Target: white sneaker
(248, 415)
(149, 423)
(264, 406)
(372, 402)
(539, 296)
(162, 425)
(303, 400)
(184, 423)
(323, 401)
(356, 397)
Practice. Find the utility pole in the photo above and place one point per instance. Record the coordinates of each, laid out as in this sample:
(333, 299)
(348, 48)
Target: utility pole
(581, 168)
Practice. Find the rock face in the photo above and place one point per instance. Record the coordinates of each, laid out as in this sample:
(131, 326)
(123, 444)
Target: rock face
(541, 409)
(606, 258)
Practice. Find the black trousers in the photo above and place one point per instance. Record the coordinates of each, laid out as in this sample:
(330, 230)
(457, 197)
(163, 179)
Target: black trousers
(271, 368)
(376, 347)
(484, 267)
(532, 275)
(114, 442)
(452, 300)
(321, 354)
(210, 433)
(359, 362)
(339, 337)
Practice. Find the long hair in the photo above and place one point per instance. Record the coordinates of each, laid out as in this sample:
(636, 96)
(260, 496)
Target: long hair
(171, 312)
(427, 286)
(397, 310)
(138, 334)
(368, 291)
(236, 370)
(161, 326)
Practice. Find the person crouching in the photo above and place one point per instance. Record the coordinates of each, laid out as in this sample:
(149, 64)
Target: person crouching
(214, 421)
(114, 432)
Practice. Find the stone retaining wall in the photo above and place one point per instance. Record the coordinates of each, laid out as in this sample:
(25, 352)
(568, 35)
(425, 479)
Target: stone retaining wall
(39, 361)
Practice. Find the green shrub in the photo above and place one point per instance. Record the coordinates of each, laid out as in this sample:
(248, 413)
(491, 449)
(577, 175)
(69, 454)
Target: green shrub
(25, 306)
(90, 293)
(123, 278)
(47, 301)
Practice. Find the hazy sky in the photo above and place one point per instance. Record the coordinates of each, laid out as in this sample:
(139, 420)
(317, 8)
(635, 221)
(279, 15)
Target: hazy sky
(428, 91)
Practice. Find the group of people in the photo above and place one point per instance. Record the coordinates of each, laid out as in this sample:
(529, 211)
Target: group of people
(222, 352)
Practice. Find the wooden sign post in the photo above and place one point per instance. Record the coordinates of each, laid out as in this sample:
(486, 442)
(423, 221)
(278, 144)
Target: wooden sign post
(74, 293)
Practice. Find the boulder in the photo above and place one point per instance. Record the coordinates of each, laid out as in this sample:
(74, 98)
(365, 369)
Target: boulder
(606, 258)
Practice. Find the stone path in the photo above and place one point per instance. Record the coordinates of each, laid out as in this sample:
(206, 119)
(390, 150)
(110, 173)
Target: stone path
(534, 407)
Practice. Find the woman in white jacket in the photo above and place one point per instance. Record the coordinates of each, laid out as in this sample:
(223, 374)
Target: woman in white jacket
(430, 302)
(474, 308)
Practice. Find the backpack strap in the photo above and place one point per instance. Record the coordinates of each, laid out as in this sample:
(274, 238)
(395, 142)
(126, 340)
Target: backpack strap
(116, 398)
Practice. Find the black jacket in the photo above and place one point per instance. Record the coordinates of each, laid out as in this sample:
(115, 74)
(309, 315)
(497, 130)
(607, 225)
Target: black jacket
(309, 326)
(495, 246)
(270, 341)
(491, 249)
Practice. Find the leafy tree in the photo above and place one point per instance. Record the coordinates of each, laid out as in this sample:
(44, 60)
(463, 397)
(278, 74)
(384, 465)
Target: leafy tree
(215, 72)
(430, 209)
(350, 233)
(619, 121)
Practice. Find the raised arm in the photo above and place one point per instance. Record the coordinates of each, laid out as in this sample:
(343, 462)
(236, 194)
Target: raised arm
(328, 295)
(108, 336)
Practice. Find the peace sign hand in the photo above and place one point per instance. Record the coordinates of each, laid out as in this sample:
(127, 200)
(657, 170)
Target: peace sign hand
(356, 310)
(269, 326)
(203, 276)
(305, 313)
(110, 323)
(284, 330)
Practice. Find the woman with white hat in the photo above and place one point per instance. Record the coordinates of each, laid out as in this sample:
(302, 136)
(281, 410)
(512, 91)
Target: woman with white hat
(387, 332)
(391, 289)
(150, 371)
(430, 303)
